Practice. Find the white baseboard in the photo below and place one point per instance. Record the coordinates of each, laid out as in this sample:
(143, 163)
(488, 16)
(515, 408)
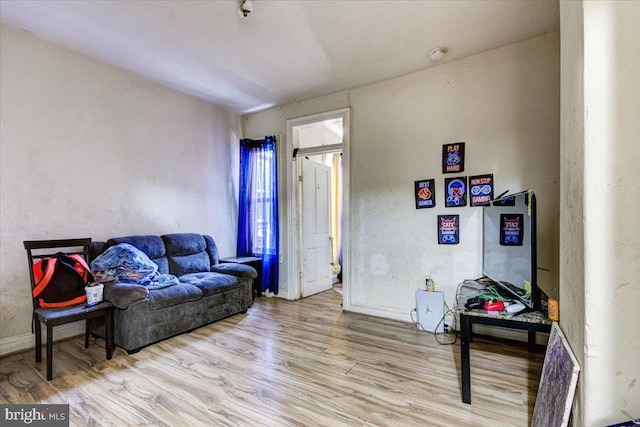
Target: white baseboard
(23, 342)
(511, 334)
(380, 312)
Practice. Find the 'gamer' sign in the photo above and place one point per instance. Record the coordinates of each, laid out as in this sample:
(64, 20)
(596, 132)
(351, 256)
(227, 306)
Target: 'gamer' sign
(425, 193)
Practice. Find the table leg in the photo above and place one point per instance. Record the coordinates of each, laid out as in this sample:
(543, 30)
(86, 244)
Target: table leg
(465, 334)
(109, 332)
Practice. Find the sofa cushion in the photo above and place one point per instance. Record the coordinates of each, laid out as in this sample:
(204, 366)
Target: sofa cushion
(121, 295)
(235, 269)
(153, 246)
(172, 295)
(180, 265)
(210, 283)
(212, 249)
(186, 253)
(184, 243)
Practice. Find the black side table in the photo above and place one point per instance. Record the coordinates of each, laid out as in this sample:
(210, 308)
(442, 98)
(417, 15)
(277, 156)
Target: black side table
(532, 322)
(254, 262)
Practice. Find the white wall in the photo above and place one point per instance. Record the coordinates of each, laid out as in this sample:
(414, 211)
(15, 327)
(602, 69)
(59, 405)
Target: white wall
(504, 104)
(90, 150)
(599, 172)
(572, 290)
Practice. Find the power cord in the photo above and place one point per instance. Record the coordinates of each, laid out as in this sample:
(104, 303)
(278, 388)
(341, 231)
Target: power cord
(452, 327)
(449, 328)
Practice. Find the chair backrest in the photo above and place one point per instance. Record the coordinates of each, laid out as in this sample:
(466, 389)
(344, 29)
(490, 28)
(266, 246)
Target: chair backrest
(38, 249)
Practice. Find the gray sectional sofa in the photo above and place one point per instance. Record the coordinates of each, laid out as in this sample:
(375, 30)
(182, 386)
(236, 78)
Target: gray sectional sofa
(208, 290)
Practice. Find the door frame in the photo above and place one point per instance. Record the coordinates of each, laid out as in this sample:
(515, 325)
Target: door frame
(291, 243)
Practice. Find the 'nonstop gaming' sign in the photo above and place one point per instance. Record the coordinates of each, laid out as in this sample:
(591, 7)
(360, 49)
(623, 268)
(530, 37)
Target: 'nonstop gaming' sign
(480, 189)
(448, 229)
(425, 193)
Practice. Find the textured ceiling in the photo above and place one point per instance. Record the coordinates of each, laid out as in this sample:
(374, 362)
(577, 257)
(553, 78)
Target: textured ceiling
(284, 51)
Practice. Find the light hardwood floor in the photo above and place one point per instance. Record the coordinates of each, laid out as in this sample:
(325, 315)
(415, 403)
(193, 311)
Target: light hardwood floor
(303, 363)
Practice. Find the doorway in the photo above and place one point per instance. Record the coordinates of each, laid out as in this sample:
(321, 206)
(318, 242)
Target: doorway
(317, 223)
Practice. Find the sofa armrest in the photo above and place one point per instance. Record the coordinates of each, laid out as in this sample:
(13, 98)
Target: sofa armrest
(121, 295)
(234, 269)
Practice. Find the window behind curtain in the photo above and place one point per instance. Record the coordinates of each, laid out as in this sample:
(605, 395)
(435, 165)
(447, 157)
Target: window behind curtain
(263, 203)
(258, 207)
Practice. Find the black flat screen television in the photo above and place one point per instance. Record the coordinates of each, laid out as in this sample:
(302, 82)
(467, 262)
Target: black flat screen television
(509, 246)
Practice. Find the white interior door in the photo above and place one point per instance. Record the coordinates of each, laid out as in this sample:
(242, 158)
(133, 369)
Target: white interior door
(316, 228)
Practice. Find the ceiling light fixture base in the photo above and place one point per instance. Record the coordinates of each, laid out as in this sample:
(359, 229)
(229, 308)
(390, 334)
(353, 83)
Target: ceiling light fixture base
(245, 8)
(437, 53)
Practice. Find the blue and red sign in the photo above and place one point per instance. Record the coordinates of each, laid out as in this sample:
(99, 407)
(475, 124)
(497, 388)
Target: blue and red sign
(511, 229)
(425, 193)
(480, 189)
(448, 229)
(505, 201)
(453, 158)
(456, 192)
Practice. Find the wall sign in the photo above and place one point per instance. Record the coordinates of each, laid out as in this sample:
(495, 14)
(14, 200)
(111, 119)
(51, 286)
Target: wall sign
(453, 158)
(505, 201)
(511, 229)
(448, 229)
(480, 189)
(456, 192)
(425, 192)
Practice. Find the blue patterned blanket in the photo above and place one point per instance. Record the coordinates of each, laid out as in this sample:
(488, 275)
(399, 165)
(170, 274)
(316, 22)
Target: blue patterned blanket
(127, 264)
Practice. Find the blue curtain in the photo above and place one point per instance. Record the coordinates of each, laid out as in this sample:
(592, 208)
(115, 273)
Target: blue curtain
(258, 207)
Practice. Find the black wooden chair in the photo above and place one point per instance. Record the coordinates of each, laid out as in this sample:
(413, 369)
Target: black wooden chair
(50, 317)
